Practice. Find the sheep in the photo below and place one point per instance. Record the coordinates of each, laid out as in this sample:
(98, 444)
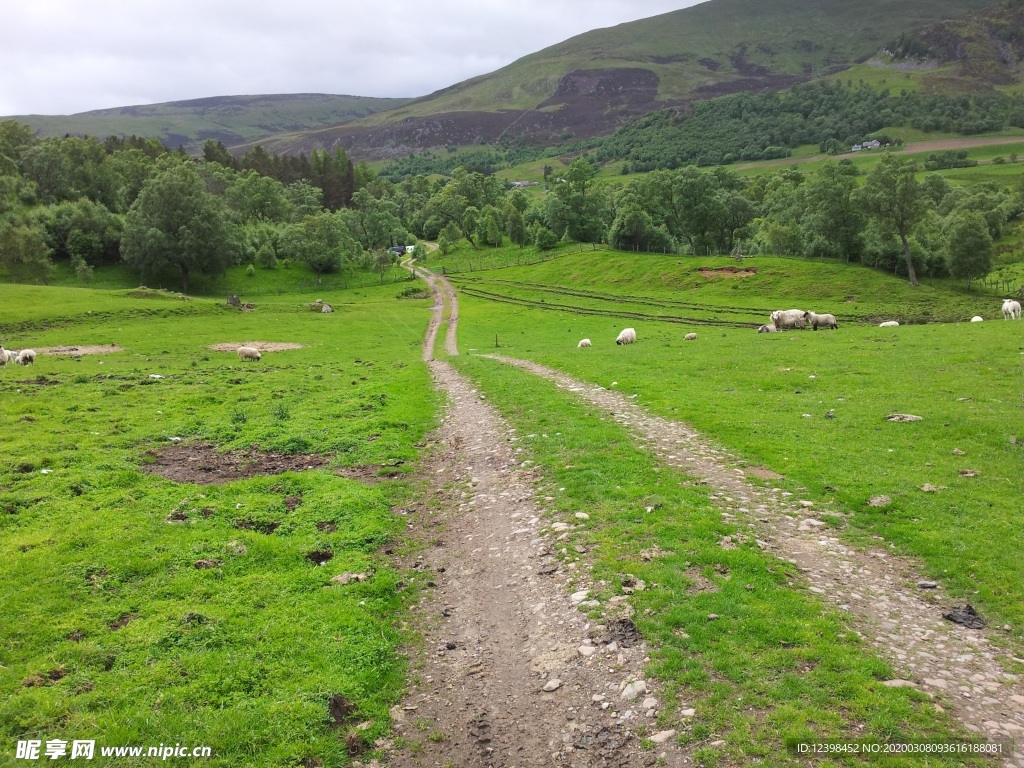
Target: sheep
(788, 319)
(977, 319)
(583, 343)
(770, 328)
(690, 337)
(249, 353)
(628, 336)
(5, 356)
(327, 309)
(1011, 310)
(829, 321)
(26, 357)
(889, 324)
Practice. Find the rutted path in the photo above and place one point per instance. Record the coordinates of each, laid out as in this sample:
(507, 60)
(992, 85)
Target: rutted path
(958, 667)
(511, 673)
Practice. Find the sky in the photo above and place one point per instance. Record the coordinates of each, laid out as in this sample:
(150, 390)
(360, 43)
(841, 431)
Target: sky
(65, 56)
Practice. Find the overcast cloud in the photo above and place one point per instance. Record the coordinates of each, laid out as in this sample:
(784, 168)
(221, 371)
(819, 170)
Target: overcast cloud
(67, 56)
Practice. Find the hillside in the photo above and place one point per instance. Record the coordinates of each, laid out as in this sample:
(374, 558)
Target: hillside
(979, 51)
(590, 83)
(231, 120)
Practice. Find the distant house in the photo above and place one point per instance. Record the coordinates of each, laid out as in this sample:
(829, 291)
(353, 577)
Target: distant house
(522, 184)
(873, 144)
(856, 148)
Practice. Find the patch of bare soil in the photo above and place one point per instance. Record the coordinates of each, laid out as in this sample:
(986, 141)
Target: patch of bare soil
(262, 346)
(899, 613)
(203, 464)
(92, 349)
(728, 272)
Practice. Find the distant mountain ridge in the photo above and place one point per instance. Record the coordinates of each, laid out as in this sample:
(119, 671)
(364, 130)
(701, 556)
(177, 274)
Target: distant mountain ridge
(231, 120)
(590, 84)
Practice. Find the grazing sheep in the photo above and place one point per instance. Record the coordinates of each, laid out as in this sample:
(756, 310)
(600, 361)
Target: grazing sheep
(977, 319)
(889, 324)
(249, 353)
(770, 328)
(628, 336)
(583, 343)
(327, 309)
(26, 357)
(690, 337)
(829, 321)
(1011, 310)
(789, 319)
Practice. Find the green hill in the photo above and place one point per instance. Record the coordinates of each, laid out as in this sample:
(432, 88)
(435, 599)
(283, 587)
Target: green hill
(590, 83)
(232, 120)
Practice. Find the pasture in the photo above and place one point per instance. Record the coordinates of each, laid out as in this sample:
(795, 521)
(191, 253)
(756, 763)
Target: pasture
(143, 610)
(812, 407)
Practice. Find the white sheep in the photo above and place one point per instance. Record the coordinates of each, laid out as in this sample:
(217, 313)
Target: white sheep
(583, 343)
(828, 321)
(788, 319)
(628, 336)
(977, 319)
(770, 328)
(889, 324)
(249, 353)
(327, 309)
(690, 337)
(5, 356)
(1011, 310)
(26, 357)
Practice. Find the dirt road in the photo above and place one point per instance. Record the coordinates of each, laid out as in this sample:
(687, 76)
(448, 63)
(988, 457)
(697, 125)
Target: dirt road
(511, 672)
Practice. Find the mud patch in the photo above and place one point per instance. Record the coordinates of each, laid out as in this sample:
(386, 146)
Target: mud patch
(728, 272)
(622, 631)
(262, 346)
(203, 464)
(91, 349)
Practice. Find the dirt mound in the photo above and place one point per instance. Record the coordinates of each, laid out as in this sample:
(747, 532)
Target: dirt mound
(85, 350)
(203, 464)
(262, 346)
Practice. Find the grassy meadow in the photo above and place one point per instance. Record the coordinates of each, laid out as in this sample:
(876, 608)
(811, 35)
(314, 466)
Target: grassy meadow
(766, 397)
(139, 610)
(777, 668)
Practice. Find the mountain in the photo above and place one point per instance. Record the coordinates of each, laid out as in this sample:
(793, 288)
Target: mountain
(232, 120)
(589, 84)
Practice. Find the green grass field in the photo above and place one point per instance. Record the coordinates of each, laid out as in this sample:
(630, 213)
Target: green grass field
(777, 668)
(751, 391)
(111, 630)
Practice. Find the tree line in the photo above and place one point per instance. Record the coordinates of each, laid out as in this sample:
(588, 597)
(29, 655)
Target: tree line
(95, 203)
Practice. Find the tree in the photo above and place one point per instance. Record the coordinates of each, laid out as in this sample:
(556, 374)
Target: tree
(324, 244)
(24, 253)
(969, 247)
(830, 214)
(894, 198)
(176, 224)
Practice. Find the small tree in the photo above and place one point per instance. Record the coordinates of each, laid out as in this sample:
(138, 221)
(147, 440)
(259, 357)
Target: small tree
(969, 247)
(24, 253)
(894, 198)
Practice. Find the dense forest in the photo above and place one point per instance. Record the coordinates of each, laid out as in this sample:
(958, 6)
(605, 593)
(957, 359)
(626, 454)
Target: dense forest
(132, 201)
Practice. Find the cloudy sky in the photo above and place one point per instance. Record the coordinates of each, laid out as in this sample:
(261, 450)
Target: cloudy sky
(67, 56)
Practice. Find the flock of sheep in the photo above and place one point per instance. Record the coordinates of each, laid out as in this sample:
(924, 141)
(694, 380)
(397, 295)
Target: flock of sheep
(792, 319)
(24, 357)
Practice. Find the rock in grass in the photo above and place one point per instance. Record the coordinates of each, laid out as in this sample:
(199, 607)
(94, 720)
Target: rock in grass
(903, 417)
